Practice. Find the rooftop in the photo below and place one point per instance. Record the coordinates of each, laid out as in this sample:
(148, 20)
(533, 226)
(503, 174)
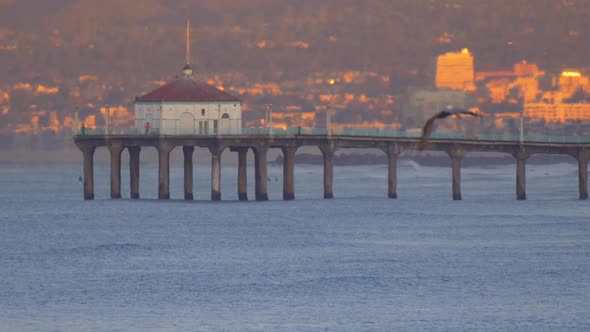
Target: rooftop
(187, 90)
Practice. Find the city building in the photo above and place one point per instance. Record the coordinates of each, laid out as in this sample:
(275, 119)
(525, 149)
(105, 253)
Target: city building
(571, 81)
(527, 69)
(557, 113)
(423, 103)
(454, 70)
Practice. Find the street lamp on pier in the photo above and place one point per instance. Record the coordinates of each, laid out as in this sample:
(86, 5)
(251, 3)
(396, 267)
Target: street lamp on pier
(108, 117)
(76, 129)
(521, 127)
(329, 109)
(328, 118)
(268, 116)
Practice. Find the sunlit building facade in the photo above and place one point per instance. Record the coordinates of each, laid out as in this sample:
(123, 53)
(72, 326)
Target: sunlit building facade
(571, 81)
(454, 70)
(557, 112)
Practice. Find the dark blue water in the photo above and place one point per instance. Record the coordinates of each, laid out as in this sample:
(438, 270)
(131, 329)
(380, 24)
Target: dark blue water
(359, 262)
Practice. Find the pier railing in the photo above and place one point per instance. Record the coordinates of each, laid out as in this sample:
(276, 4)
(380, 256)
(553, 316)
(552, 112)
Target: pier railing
(385, 133)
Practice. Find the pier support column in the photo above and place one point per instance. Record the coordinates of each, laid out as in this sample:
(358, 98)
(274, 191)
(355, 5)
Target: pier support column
(289, 172)
(392, 151)
(456, 157)
(164, 170)
(188, 172)
(521, 176)
(134, 171)
(583, 157)
(328, 153)
(242, 174)
(215, 172)
(88, 152)
(260, 173)
(115, 149)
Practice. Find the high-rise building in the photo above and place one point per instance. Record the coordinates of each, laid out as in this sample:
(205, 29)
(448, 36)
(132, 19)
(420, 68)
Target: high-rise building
(454, 70)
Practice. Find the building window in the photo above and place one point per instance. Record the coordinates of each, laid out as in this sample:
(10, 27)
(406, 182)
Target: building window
(225, 116)
(203, 112)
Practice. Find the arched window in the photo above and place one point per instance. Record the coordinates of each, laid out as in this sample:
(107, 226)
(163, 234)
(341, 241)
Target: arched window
(225, 116)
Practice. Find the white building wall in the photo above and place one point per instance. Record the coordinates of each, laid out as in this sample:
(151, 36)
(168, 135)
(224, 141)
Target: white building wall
(151, 113)
(166, 116)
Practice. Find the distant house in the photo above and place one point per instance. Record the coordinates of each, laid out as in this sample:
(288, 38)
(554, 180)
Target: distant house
(187, 106)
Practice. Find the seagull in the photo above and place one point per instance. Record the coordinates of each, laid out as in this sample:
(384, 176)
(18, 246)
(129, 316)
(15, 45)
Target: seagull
(446, 112)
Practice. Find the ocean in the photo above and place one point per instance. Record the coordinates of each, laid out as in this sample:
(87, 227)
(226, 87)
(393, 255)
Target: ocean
(358, 262)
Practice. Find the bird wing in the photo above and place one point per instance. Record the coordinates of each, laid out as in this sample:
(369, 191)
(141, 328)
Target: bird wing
(446, 112)
(459, 111)
(426, 131)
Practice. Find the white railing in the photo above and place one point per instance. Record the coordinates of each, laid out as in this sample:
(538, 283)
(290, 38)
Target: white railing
(278, 132)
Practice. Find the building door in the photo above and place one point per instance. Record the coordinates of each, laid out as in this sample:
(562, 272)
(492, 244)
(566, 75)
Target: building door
(215, 126)
(186, 124)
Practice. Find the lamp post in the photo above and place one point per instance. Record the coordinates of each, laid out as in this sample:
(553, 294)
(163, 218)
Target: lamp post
(108, 117)
(268, 116)
(521, 127)
(328, 116)
(329, 109)
(76, 119)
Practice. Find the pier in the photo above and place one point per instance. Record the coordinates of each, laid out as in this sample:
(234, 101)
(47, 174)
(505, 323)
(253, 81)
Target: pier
(258, 140)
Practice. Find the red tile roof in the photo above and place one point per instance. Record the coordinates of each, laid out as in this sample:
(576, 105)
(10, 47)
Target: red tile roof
(187, 90)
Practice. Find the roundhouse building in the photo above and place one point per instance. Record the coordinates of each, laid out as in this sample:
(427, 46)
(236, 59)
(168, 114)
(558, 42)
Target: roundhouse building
(188, 106)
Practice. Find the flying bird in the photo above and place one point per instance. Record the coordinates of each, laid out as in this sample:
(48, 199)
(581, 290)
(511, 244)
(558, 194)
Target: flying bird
(448, 111)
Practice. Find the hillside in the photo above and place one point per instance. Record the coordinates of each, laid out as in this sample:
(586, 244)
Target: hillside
(292, 36)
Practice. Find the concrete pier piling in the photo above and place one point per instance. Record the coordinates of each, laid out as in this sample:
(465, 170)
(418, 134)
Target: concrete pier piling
(392, 176)
(392, 151)
(134, 152)
(188, 172)
(521, 178)
(164, 171)
(115, 150)
(328, 150)
(242, 174)
(583, 157)
(289, 172)
(260, 172)
(456, 157)
(289, 143)
(88, 153)
(215, 173)
(328, 174)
